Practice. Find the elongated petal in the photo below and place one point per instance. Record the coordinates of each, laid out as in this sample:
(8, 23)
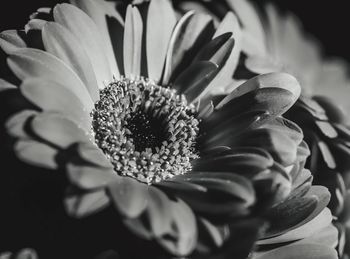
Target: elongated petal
(305, 251)
(36, 153)
(193, 81)
(251, 22)
(273, 80)
(52, 96)
(28, 63)
(93, 155)
(58, 130)
(191, 33)
(81, 205)
(85, 30)
(157, 213)
(296, 211)
(60, 42)
(100, 11)
(160, 24)
(132, 42)
(224, 77)
(129, 196)
(4, 85)
(183, 239)
(15, 126)
(307, 230)
(11, 40)
(90, 177)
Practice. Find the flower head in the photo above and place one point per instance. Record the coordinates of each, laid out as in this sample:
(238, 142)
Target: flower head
(125, 106)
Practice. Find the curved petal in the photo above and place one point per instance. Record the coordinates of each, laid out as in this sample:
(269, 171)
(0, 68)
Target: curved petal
(81, 205)
(90, 177)
(60, 42)
(161, 21)
(36, 153)
(225, 76)
(183, 238)
(86, 31)
(15, 126)
(99, 10)
(58, 130)
(304, 251)
(307, 230)
(4, 85)
(28, 63)
(277, 80)
(52, 96)
(11, 41)
(129, 196)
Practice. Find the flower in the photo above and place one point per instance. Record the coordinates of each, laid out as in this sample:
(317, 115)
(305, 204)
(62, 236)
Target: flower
(125, 106)
(23, 253)
(278, 44)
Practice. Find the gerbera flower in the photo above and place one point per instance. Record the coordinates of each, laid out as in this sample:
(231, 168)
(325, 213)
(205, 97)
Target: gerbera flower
(278, 44)
(124, 106)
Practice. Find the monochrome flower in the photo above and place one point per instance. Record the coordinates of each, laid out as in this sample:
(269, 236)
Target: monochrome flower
(136, 110)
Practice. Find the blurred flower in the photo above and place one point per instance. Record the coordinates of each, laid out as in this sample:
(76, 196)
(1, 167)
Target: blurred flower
(25, 253)
(131, 109)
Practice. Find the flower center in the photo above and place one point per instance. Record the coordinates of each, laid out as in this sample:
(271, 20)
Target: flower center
(148, 132)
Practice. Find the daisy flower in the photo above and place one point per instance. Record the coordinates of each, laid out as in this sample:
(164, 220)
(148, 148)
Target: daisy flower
(124, 105)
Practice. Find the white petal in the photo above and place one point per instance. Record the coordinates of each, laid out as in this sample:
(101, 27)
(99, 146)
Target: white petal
(132, 42)
(60, 42)
(81, 25)
(160, 24)
(52, 96)
(99, 10)
(28, 63)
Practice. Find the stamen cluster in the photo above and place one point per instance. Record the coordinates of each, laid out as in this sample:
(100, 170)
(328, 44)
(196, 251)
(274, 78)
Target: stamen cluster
(147, 131)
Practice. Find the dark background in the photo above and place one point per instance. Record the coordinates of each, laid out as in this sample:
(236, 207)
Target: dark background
(327, 20)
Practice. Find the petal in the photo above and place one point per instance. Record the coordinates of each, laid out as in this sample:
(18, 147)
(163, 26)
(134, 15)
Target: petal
(304, 251)
(90, 177)
(192, 32)
(250, 20)
(297, 210)
(224, 77)
(60, 42)
(4, 85)
(11, 41)
(36, 153)
(271, 80)
(100, 11)
(157, 214)
(15, 126)
(183, 238)
(161, 21)
(91, 154)
(36, 63)
(307, 230)
(328, 236)
(129, 196)
(90, 39)
(58, 130)
(26, 253)
(132, 42)
(81, 205)
(52, 96)
(193, 81)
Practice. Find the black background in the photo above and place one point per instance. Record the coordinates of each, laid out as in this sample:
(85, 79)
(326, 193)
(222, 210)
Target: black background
(327, 20)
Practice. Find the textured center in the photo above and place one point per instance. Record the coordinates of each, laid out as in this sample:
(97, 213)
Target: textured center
(147, 131)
